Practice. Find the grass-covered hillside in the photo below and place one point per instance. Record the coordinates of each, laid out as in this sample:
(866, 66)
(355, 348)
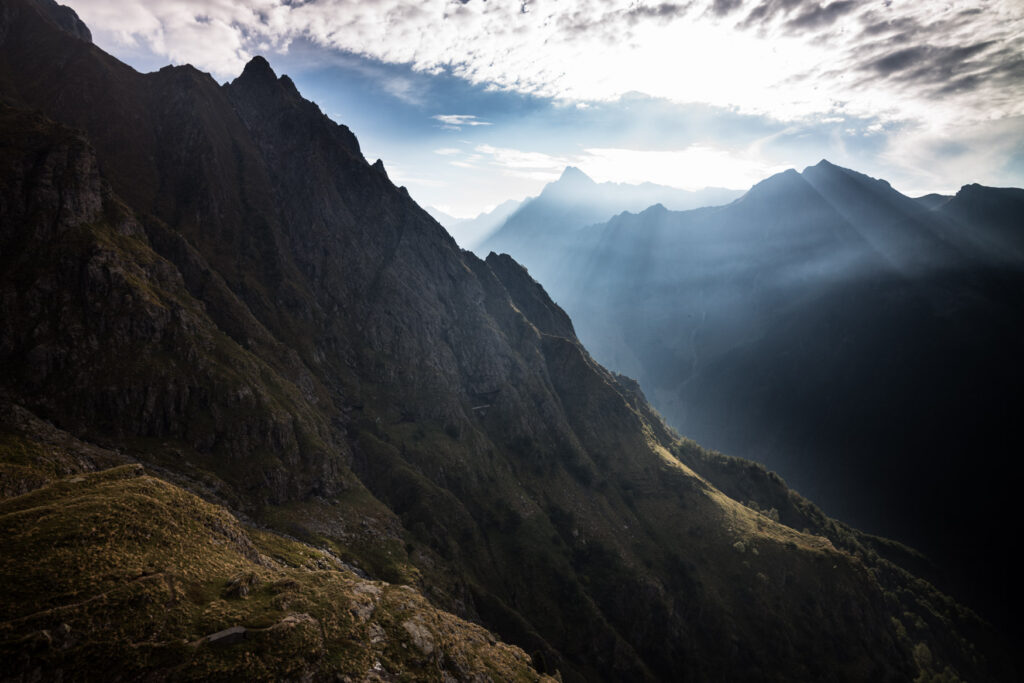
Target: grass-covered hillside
(118, 574)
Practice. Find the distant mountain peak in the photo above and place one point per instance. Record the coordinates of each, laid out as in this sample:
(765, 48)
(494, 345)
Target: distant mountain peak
(826, 169)
(790, 178)
(569, 185)
(571, 174)
(823, 166)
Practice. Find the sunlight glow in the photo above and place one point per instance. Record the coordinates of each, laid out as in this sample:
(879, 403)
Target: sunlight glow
(693, 168)
(921, 60)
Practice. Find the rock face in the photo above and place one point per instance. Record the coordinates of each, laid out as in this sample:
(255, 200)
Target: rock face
(211, 280)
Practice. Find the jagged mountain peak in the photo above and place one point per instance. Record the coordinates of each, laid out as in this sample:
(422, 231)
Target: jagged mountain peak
(288, 84)
(65, 18)
(258, 69)
(259, 92)
(259, 76)
(573, 174)
(572, 185)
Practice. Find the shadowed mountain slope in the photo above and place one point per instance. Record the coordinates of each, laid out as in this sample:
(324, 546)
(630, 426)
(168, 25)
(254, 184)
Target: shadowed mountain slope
(863, 344)
(212, 281)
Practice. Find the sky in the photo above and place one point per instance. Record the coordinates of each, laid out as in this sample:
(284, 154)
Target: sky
(472, 103)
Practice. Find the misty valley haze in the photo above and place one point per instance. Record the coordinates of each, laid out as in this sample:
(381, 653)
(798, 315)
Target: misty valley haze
(263, 418)
(855, 340)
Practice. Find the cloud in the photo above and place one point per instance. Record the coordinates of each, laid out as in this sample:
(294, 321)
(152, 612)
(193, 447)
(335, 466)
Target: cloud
(525, 164)
(692, 168)
(821, 15)
(665, 10)
(446, 151)
(457, 121)
(929, 159)
(724, 7)
(926, 61)
(768, 10)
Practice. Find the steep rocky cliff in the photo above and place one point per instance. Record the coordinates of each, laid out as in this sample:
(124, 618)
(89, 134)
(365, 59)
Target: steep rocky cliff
(212, 281)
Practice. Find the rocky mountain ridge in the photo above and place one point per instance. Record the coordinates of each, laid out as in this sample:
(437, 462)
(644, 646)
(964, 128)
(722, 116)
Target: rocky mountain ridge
(211, 281)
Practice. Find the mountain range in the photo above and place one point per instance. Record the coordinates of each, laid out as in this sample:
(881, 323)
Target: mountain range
(470, 232)
(575, 201)
(857, 341)
(261, 418)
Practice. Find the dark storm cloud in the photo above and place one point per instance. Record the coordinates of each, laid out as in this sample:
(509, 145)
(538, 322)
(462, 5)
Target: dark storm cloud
(610, 26)
(1011, 72)
(898, 61)
(1003, 71)
(722, 7)
(940, 72)
(936, 56)
(811, 15)
(906, 29)
(962, 84)
(665, 10)
(926, 63)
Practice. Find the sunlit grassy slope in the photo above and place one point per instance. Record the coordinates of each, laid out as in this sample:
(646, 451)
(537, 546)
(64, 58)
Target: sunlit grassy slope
(119, 574)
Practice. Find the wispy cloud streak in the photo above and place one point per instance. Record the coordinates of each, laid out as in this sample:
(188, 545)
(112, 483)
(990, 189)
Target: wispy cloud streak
(457, 121)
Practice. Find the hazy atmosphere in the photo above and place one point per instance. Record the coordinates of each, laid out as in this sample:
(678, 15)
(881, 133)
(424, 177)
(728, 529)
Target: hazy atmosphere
(472, 103)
